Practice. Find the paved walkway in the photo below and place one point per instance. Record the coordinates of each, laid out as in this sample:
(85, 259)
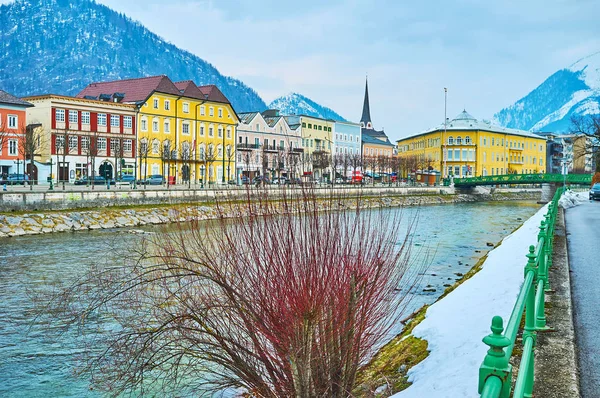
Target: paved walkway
(583, 230)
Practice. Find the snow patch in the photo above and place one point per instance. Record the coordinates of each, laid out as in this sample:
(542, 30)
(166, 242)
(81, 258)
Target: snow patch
(455, 325)
(571, 199)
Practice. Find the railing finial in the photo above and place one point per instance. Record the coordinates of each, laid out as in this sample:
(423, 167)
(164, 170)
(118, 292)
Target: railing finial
(496, 362)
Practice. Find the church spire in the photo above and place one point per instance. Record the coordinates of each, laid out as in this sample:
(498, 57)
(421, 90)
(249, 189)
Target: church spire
(365, 120)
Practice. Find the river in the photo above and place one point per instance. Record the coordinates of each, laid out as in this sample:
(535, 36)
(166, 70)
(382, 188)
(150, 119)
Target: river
(35, 365)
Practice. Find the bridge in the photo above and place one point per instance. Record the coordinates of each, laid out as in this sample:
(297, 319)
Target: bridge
(510, 179)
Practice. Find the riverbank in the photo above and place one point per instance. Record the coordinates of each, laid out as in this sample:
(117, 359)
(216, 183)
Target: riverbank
(43, 222)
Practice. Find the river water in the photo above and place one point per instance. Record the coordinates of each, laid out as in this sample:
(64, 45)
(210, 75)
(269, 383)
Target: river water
(35, 365)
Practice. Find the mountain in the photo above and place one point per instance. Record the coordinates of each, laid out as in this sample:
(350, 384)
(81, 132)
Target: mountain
(297, 104)
(60, 46)
(568, 92)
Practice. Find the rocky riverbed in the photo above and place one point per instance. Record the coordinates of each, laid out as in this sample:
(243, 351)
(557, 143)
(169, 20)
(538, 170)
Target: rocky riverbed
(49, 222)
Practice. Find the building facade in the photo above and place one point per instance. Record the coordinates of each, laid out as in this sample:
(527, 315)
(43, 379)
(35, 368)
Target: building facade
(85, 137)
(186, 132)
(317, 142)
(268, 146)
(466, 147)
(13, 124)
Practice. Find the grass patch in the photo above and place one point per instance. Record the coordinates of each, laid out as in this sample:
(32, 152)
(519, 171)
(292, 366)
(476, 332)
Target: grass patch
(391, 364)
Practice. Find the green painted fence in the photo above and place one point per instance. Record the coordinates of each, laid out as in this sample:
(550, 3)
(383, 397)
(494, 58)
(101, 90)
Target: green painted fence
(495, 373)
(581, 179)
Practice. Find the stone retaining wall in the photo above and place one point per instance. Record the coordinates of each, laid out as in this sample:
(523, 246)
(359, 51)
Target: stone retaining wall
(48, 221)
(89, 199)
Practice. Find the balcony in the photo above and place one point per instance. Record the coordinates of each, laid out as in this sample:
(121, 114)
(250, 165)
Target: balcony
(515, 162)
(297, 150)
(247, 147)
(273, 148)
(515, 149)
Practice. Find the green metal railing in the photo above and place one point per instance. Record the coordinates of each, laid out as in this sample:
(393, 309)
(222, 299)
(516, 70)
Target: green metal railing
(495, 373)
(583, 179)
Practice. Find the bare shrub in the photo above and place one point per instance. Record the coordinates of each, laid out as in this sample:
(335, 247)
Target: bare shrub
(273, 298)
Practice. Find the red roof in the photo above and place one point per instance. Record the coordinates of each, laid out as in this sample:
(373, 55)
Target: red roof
(212, 93)
(189, 89)
(135, 90)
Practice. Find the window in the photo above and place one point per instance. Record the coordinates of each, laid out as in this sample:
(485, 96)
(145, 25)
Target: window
(220, 151)
(450, 152)
(127, 145)
(220, 112)
(73, 117)
(12, 147)
(459, 140)
(202, 111)
(102, 119)
(202, 131)
(309, 126)
(345, 137)
(228, 133)
(220, 132)
(85, 143)
(115, 120)
(185, 128)
(60, 141)
(155, 125)
(167, 105)
(115, 145)
(186, 107)
(85, 117)
(155, 147)
(304, 124)
(155, 103)
(60, 115)
(127, 122)
(211, 111)
(101, 144)
(450, 140)
(457, 154)
(73, 142)
(468, 140)
(144, 124)
(256, 142)
(320, 128)
(257, 127)
(167, 126)
(210, 132)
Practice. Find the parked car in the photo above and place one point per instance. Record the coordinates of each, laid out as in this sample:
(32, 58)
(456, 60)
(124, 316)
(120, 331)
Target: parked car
(154, 179)
(595, 191)
(340, 180)
(97, 180)
(261, 180)
(281, 181)
(125, 180)
(18, 179)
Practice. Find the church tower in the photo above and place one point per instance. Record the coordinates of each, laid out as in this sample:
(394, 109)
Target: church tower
(365, 120)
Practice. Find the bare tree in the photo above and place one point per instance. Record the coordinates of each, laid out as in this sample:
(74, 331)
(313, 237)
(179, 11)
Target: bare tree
(143, 150)
(230, 154)
(31, 141)
(272, 298)
(210, 158)
(589, 127)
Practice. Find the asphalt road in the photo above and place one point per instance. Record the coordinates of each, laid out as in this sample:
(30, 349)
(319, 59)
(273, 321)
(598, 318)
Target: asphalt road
(583, 237)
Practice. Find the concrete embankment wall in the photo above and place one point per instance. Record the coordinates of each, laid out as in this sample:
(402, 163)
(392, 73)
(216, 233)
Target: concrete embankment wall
(48, 221)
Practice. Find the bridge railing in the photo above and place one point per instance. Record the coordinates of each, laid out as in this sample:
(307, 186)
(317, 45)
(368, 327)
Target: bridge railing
(495, 373)
(534, 178)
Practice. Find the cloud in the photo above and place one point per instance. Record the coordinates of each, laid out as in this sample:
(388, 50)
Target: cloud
(487, 53)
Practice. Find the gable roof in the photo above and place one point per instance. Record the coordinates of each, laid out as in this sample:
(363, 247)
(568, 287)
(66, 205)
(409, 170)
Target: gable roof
(189, 89)
(368, 139)
(6, 98)
(212, 93)
(247, 117)
(133, 90)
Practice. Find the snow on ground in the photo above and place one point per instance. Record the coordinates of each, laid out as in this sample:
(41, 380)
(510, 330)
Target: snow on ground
(455, 325)
(572, 199)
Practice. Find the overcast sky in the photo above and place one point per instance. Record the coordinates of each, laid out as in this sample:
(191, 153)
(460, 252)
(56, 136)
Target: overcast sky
(488, 53)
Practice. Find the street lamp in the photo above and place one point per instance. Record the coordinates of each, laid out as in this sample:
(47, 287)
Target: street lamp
(445, 154)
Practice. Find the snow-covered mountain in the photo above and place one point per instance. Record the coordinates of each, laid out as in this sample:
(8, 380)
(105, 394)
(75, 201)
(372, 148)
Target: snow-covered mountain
(568, 92)
(297, 104)
(60, 46)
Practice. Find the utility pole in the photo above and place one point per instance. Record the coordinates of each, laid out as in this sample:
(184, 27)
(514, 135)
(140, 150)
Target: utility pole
(445, 154)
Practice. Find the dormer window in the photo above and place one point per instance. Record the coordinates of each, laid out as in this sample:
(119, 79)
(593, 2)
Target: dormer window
(450, 140)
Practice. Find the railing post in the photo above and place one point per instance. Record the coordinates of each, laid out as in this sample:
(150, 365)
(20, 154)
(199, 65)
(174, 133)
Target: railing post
(495, 362)
(530, 316)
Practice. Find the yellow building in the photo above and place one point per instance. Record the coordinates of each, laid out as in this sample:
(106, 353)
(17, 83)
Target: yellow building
(317, 141)
(184, 131)
(467, 147)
